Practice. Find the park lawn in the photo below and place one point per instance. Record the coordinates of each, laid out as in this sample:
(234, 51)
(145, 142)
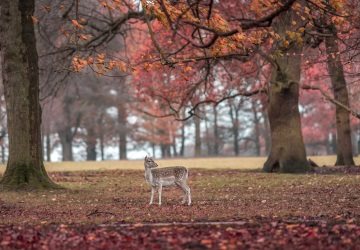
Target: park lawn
(231, 209)
(122, 196)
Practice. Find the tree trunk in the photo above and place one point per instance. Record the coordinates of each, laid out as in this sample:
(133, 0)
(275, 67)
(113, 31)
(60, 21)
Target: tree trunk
(90, 144)
(197, 137)
(48, 147)
(287, 146)
(165, 150)
(102, 146)
(19, 59)
(256, 128)
(66, 137)
(267, 133)
(65, 131)
(153, 149)
(216, 133)
(101, 136)
(122, 121)
(182, 146)
(287, 152)
(208, 140)
(173, 145)
(3, 160)
(343, 130)
(234, 116)
(2, 137)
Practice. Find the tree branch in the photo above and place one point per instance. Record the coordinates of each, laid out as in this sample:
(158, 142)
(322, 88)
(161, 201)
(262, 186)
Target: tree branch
(332, 100)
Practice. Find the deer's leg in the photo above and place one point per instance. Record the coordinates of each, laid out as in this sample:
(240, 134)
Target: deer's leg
(179, 184)
(186, 190)
(188, 193)
(152, 195)
(160, 190)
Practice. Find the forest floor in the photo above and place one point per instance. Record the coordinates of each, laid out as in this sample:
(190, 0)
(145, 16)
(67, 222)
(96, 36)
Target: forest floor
(231, 209)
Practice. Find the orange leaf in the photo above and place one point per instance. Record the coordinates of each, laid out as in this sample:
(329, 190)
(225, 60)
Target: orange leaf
(77, 24)
(34, 19)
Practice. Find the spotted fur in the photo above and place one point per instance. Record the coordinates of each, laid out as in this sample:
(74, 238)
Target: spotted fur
(169, 176)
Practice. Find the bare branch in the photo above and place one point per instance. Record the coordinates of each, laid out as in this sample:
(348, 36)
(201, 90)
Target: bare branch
(332, 100)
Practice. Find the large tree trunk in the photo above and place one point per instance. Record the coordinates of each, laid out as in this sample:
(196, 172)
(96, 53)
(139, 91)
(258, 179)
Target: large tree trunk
(343, 136)
(19, 59)
(266, 134)
(287, 146)
(2, 137)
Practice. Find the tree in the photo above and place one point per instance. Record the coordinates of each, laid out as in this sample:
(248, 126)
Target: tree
(344, 154)
(19, 59)
(283, 111)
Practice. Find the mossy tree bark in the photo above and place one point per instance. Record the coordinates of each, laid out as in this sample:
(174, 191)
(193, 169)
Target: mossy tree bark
(343, 130)
(19, 59)
(287, 152)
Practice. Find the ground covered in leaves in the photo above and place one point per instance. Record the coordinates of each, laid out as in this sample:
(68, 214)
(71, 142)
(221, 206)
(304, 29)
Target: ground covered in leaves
(231, 209)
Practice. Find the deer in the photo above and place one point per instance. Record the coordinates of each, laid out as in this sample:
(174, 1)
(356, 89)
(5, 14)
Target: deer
(164, 177)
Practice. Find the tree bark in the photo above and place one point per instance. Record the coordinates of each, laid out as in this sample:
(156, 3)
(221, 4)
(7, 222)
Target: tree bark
(197, 137)
(182, 145)
(287, 152)
(208, 140)
(101, 136)
(153, 149)
(2, 137)
(48, 147)
(102, 145)
(267, 133)
(234, 116)
(256, 128)
(19, 59)
(343, 130)
(173, 145)
(165, 150)
(90, 144)
(216, 133)
(66, 138)
(122, 120)
(65, 129)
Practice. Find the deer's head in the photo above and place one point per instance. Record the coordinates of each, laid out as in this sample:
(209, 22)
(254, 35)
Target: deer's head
(150, 163)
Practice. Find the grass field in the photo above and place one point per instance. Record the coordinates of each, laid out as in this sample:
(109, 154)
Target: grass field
(218, 195)
(105, 206)
(207, 163)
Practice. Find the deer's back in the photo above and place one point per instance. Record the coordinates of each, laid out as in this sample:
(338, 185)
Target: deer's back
(178, 172)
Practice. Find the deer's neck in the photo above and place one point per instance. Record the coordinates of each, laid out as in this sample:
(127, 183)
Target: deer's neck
(148, 175)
